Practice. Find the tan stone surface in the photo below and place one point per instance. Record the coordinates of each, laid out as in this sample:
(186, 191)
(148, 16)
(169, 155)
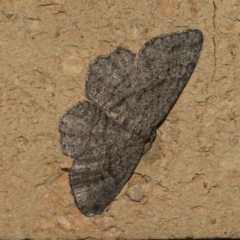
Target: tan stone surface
(188, 183)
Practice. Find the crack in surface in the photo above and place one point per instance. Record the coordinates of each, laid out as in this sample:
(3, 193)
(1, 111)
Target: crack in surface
(214, 42)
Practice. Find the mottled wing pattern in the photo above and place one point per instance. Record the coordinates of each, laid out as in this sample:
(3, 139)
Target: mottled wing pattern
(104, 153)
(110, 82)
(164, 66)
(139, 93)
(128, 97)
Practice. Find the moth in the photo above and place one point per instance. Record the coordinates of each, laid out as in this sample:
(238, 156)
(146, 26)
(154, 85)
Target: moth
(128, 97)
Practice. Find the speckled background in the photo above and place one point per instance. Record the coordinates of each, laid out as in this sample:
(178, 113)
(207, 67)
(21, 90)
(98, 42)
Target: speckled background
(188, 183)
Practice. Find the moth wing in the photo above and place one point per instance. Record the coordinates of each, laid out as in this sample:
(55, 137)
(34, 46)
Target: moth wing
(110, 82)
(105, 155)
(164, 66)
(131, 98)
(138, 92)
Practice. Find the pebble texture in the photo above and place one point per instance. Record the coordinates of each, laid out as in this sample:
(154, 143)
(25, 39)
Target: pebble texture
(187, 185)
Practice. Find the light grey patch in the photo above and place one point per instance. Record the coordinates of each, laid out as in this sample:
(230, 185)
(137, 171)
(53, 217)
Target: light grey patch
(135, 193)
(129, 96)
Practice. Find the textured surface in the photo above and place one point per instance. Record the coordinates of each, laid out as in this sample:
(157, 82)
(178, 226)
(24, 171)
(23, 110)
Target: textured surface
(135, 97)
(139, 94)
(105, 155)
(186, 185)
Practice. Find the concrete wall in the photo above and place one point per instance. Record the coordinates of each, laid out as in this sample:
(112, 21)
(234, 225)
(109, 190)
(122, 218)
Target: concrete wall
(188, 182)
